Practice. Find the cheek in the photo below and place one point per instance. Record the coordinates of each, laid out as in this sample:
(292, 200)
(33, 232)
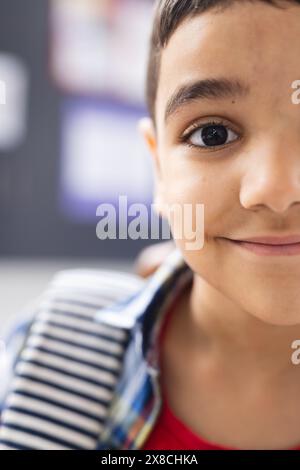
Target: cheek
(203, 188)
(186, 184)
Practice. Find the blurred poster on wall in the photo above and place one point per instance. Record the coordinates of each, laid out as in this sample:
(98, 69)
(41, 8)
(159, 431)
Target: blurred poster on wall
(100, 47)
(103, 157)
(14, 78)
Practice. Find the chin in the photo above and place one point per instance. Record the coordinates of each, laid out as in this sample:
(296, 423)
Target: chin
(280, 319)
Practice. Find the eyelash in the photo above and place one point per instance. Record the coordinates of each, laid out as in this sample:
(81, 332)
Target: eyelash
(184, 139)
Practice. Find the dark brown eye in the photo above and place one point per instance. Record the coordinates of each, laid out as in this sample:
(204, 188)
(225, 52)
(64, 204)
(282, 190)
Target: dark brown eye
(212, 135)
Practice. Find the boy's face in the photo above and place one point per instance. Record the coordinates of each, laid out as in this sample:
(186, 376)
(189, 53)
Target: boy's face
(249, 185)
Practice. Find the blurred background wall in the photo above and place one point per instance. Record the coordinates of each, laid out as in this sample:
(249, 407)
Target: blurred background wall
(74, 72)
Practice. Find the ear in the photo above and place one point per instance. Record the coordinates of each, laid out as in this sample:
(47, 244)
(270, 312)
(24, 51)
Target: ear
(147, 130)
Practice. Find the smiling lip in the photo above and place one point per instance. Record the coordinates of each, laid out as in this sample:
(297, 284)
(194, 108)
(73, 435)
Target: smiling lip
(288, 240)
(289, 245)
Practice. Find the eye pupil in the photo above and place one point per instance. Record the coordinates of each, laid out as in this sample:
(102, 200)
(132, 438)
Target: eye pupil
(214, 135)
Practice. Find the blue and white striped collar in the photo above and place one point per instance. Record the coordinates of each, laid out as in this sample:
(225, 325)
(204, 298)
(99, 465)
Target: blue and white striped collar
(144, 311)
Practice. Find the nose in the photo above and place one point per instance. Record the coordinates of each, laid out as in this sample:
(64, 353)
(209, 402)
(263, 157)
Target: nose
(271, 178)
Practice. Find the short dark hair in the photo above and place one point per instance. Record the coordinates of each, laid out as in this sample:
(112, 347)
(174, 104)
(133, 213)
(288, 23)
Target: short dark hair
(168, 15)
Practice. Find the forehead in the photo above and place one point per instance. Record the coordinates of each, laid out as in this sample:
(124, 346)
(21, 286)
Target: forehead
(254, 42)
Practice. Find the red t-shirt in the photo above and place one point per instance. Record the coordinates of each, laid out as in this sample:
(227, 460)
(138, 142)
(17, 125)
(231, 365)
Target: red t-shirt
(169, 432)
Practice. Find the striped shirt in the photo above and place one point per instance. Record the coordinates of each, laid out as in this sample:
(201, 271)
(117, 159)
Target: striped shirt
(82, 367)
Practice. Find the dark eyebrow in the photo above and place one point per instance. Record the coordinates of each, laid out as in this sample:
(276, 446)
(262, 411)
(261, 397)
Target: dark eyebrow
(211, 89)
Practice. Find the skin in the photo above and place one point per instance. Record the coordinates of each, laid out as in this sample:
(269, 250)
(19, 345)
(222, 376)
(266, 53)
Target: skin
(234, 328)
(151, 257)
